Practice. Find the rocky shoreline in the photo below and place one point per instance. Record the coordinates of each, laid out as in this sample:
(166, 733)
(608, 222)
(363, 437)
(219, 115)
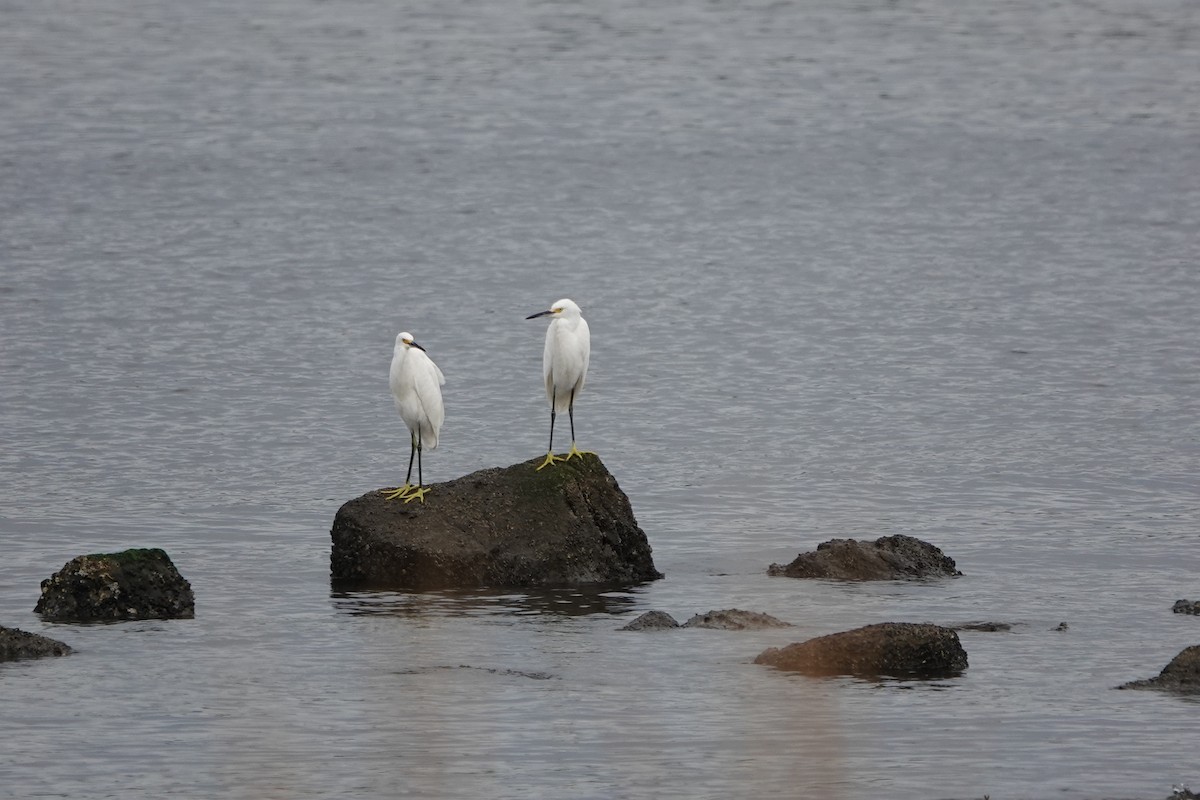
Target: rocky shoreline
(572, 525)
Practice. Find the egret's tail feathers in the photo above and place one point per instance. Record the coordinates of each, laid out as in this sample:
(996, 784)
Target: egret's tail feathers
(429, 438)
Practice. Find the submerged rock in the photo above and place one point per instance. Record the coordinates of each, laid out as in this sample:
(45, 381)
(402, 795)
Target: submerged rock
(568, 524)
(15, 644)
(896, 557)
(1181, 675)
(735, 619)
(986, 627)
(132, 584)
(897, 649)
(732, 619)
(652, 621)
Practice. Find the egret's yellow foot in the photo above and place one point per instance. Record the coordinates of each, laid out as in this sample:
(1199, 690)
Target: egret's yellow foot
(397, 494)
(550, 459)
(417, 494)
(575, 451)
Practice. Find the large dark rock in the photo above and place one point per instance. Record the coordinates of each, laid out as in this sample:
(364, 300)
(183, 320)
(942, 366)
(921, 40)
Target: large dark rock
(897, 649)
(896, 557)
(1181, 675)
(568, 524)
(133, 584)
(16, 644)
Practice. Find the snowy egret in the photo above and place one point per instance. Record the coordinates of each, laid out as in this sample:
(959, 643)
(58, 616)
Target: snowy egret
(416, 387)
(564, 367)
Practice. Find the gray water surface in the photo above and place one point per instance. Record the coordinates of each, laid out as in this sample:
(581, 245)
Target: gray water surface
(851, 270)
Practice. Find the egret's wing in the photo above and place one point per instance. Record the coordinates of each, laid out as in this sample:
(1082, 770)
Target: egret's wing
(548, 362)
(427, 381)
(585, 341)
(568, 350)
(395, 377)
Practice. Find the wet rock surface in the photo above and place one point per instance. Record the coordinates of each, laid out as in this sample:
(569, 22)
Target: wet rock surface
(16, 644)
(985, 627)
(730, 619)
(897, 557)
(139, 583)
(735, 619)
(1181, 675)
(652, 621)
(895, 649)
(569, 524)
(1186, 607)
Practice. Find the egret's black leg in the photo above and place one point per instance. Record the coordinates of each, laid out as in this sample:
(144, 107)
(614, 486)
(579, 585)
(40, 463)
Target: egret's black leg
(550, 457)
(574, 451)
(403, 491)
(412, 451)
(419, 492)
(553, 403)
(571, 414)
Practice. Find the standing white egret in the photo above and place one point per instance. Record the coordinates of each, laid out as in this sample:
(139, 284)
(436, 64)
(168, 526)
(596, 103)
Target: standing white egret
(416, 386)
(564, 367)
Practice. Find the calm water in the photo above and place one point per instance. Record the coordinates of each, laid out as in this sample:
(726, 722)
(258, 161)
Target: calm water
(851, 270)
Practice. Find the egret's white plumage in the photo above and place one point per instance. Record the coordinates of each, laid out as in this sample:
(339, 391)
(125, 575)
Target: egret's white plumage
(416, 387)
(564, 365)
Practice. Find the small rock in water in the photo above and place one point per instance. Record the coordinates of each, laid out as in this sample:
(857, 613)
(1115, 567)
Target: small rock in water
(1181, 675)
(896, 649)
(652, 621)
(133, 584)
(735, 619)
(1186, 607)
(1062, 626)
(15, 644)
(988, 627)
(896, 557)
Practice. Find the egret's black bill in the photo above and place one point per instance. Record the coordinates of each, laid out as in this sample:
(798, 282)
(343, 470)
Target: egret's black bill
(540, 314)
(414, 344)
